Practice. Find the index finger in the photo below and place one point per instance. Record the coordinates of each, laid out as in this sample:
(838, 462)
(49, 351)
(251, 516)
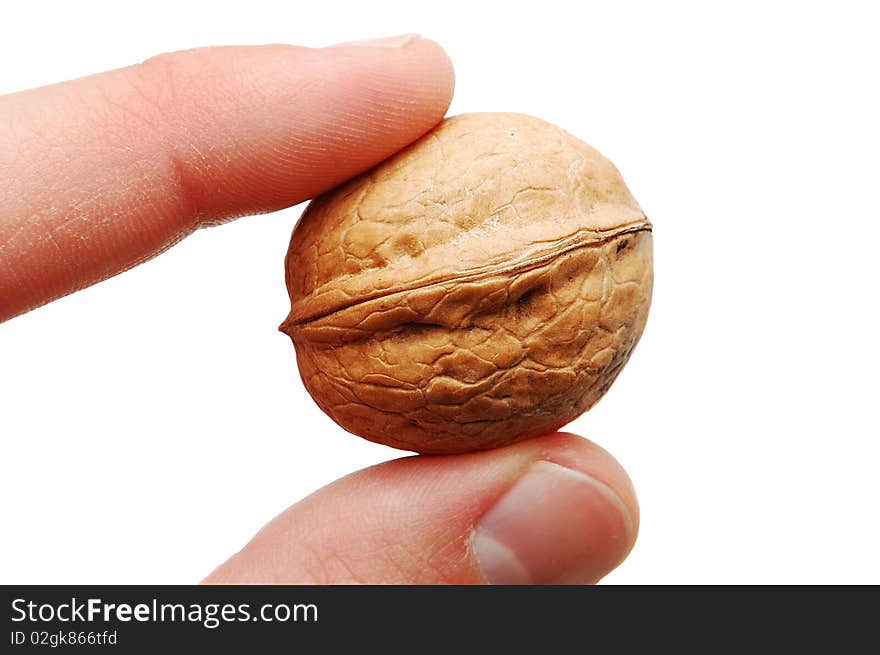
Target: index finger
(104, 172)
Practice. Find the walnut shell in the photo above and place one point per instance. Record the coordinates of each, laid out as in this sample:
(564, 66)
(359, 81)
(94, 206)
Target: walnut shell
(482, 286)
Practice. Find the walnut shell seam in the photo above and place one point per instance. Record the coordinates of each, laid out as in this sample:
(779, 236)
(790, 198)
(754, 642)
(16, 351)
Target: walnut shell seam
(539, 259)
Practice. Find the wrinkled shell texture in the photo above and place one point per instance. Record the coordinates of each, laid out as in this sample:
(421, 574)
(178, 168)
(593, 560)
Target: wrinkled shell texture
(482, 286)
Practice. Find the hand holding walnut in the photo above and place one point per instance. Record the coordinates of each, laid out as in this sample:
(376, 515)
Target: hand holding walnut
(550, 509)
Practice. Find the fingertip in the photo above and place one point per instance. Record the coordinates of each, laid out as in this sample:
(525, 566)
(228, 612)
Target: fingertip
(570, 516)
(581, 454)
(555, 525)
(441, 63)
(323, 115)
(409, 62)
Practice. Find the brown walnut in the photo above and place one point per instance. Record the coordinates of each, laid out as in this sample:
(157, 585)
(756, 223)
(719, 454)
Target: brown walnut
(482, 286)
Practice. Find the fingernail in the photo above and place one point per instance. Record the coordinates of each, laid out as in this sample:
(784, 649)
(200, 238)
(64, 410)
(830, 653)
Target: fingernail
(554, 526)
(386, 42)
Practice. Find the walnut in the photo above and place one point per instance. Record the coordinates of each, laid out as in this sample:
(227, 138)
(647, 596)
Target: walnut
(484, 285)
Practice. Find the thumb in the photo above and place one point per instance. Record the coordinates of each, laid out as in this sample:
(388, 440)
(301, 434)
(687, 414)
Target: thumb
(552, 510)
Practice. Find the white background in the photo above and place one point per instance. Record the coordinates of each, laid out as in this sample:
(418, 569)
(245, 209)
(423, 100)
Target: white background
(151, 424)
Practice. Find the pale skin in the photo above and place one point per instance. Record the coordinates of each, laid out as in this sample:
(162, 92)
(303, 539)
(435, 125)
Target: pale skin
(104, 172)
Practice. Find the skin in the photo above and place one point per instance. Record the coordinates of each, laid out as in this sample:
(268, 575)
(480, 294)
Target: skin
(105, 172)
